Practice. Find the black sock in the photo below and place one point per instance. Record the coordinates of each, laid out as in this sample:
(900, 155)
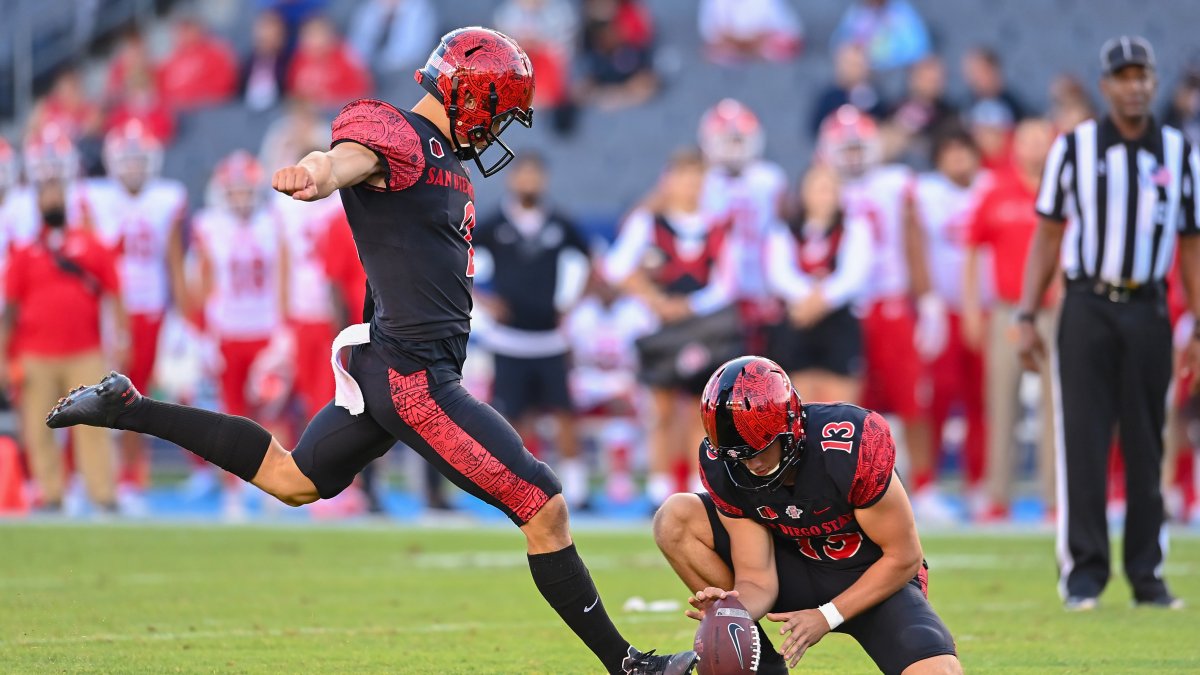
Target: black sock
(566, 584)
(235, 444)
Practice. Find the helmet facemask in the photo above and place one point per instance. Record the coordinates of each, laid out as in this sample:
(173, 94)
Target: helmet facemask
(745, 479)
(482, 137)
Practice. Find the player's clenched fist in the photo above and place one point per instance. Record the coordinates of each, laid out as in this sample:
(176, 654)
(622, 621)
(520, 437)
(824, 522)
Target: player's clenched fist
(296, 181)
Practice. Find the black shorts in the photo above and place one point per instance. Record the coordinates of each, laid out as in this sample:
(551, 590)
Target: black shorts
(429, 410)
(521, 385)
(834, 344)
(896, 633)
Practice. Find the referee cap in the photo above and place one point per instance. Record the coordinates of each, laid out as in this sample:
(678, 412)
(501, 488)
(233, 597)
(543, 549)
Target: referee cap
(1126, 50)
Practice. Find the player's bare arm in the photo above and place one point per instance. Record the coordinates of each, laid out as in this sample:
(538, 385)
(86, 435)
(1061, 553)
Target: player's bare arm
(319, 174)
(755, 579)
(1039, 269)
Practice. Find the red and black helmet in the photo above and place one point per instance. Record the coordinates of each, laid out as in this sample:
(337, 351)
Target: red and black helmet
(485, 81)
(748, 403)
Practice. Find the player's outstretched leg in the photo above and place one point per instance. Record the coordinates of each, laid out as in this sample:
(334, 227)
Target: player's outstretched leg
(563, 579)
(698, 551)
(236, 444)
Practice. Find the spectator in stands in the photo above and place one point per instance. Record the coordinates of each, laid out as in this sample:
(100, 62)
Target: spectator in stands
(294, 13)
(300, 128)
(546, 30)
(891, 31)
(617, 54)
(749, 30)
(200, 71)
(535, 270)
(913, 122)
(140, 101)
(1183, 110)
(1070, 103)
(851, 85)
(131, 60)
(392, 36)
(1003, 223)
(56, 287)
(264, 70)
(324, 70)
(68, 108)
(991, 124)
(984, 75)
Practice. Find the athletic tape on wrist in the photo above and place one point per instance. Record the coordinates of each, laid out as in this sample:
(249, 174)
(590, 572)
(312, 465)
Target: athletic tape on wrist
(831, 614)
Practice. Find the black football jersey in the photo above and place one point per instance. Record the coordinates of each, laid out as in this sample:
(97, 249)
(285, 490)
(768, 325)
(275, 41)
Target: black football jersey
(846, 463)
(414, 234)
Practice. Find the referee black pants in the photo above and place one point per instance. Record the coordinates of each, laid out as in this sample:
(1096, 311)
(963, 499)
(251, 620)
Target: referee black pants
(1113, 370)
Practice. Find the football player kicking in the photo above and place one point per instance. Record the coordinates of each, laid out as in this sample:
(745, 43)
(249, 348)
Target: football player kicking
(410, 205)
(805, 521)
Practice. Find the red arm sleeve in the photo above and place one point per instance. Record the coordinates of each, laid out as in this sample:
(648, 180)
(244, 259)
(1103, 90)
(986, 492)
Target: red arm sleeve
(384, 130)
(876, 461)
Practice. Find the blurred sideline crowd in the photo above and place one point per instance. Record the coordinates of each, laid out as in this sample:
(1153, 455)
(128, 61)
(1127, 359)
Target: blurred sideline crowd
(886, 273)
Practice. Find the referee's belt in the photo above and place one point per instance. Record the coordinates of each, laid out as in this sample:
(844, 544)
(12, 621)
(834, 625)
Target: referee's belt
(1119, 292)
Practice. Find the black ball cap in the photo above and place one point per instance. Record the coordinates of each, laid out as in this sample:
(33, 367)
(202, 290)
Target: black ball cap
(1127, 50)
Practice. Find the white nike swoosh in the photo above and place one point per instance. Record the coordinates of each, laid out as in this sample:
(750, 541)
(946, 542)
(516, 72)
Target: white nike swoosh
(594, 603)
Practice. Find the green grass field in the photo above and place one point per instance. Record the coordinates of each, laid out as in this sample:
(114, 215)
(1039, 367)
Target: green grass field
(164, 599)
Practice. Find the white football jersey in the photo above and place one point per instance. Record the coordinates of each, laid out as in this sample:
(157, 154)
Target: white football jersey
(878, 198)
(604, 360)
(751, 199)
(945, 211)
(244, 302)
(310, 296)
(139, 227)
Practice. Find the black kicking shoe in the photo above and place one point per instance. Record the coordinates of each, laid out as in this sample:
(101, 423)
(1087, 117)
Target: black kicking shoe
(650, 663)
(97, 405)
(1164, 601)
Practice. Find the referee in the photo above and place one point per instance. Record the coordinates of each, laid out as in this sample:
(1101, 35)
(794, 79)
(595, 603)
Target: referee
(1114, 194)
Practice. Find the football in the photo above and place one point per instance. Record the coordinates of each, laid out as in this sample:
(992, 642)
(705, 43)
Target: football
(727, 640)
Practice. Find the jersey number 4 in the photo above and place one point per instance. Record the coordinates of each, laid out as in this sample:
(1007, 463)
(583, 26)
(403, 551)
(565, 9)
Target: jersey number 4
(838, 436)
(468, 224)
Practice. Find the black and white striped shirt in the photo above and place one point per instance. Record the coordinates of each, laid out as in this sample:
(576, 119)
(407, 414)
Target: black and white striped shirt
(1123, 201)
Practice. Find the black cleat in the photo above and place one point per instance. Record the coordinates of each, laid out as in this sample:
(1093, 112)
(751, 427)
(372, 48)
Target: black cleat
(1163, 601)
(95, 406)
(650, 663)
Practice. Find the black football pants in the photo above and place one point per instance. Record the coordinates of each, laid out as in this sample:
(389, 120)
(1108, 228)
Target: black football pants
(1113, 369)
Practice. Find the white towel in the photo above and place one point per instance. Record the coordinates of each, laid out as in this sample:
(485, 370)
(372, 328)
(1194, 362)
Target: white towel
(347, 393)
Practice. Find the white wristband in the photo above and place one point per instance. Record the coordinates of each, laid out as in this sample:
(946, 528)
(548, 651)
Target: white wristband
(831, 614)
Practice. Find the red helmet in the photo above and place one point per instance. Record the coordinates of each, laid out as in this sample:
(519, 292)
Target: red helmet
(132, 154)
(8, 165)
(50, 155)
(748, 403)
(849, 141)
(485, 81)
(730, 134)
(236, 183)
